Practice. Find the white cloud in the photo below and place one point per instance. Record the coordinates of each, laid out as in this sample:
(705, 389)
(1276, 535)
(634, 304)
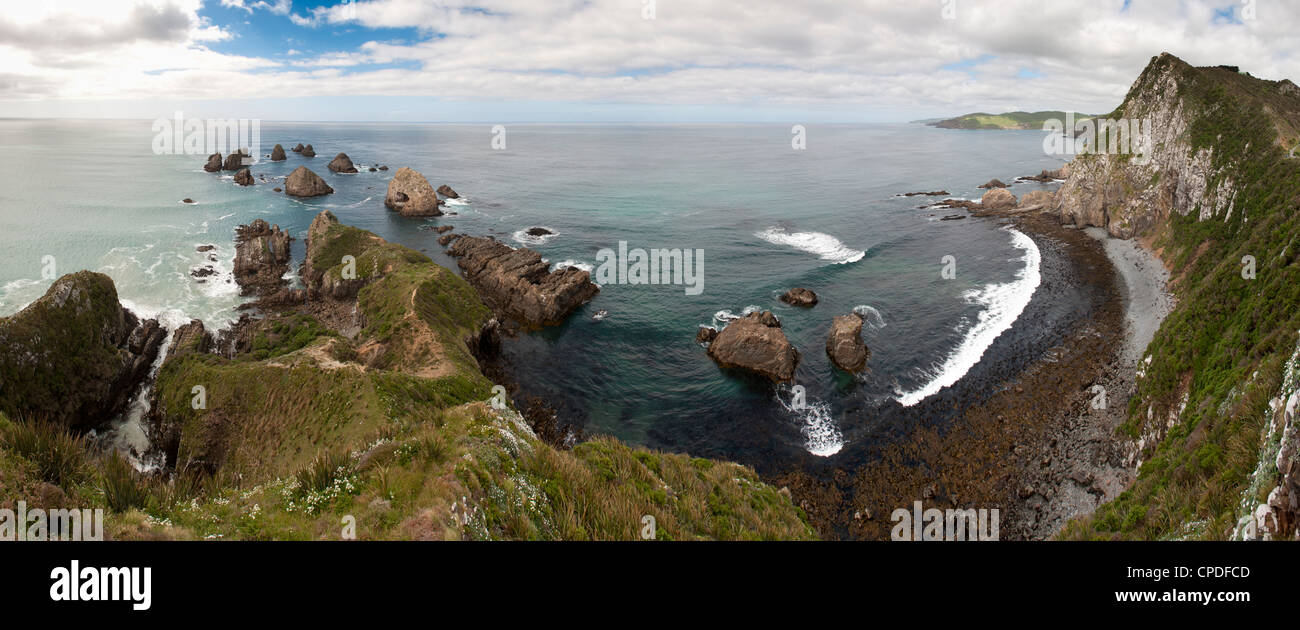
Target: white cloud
(867, 54)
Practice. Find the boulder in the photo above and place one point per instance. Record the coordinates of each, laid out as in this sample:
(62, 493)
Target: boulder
(342, 164)
(244, 177)
(447, 192)
(410, 194)
(538, 231)
(302, 182)
(754, 344)
(75, 357)
(383, 168)
(261, 257)
(706, 334)
(519, 284)
(994, 183)
(214, 163)
(799, 297)
(234, 161)
(277, 154)
(998, 199)
(447, 238)
(308, 151)
(844, 344)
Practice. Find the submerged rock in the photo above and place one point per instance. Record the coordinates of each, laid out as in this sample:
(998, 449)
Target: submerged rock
(410, 194)
(756, 343)
(342, 164)
(75, 356)
(844, 344)
(538, 231)
(994, 183)
(519, 284)
(302, 182)
(799, 297)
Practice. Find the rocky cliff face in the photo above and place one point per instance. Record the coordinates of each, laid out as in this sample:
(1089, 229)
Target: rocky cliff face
(1186, 168)
(1217, 191)
(75, 356)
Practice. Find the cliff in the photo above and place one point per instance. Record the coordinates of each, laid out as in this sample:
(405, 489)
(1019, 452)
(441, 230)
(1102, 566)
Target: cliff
(1216, 195)
(366, 400)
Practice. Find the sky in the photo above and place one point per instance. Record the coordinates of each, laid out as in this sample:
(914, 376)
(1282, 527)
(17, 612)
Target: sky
(612, 60)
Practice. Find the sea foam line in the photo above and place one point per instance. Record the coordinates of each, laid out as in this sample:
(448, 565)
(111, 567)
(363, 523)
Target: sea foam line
(1003, 305)
(821, 436)
(825, 246)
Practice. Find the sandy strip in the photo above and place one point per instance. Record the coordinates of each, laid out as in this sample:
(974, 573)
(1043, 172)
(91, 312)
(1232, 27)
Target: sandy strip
(1145, 288)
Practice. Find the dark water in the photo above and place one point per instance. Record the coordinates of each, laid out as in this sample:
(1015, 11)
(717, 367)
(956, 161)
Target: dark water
(767, 218)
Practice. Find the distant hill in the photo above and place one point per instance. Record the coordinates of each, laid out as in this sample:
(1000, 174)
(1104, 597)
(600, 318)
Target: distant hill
(1009, 120)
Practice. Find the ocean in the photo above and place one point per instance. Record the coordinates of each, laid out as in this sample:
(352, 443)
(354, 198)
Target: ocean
(765, 216)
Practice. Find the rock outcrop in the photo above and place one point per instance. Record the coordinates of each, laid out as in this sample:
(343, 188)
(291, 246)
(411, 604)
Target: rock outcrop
(75, 356)
(308, 151)
(277, 154)
(844, 344)
(757, 344)
(447, 192)
(518, 283)
(998, 199)
(994, 183)
(799, 296)
(191, 338)
(261, 257)
(298, 149)
(214, 163)
(410, 194)
(1037, 200)
(302, 182)
(244, 177)
(234, 161)
(342, 164)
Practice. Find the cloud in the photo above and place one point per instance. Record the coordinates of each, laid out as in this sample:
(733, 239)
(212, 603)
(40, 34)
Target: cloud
(873, 55)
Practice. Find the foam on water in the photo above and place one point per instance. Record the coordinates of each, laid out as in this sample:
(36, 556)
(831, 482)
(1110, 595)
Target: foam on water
(585, 266)
(825, 246)
(821, 435)
(523, 237)
(1002, 304)
(725, 316)
(870, 315)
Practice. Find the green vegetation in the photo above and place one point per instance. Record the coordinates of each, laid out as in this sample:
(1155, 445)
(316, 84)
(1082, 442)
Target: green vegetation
(1219, 357)
(310, 433)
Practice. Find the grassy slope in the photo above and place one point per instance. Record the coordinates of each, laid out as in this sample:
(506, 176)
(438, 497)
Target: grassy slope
(301, 435)
(1220, 355)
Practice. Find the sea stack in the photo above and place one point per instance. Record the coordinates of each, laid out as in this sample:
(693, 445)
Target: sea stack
(410, 194)
(244, 177)
(261, 257)
(518, 283)
(297, 149)
(308, 151)
(844, 343)
(447, 192)
(234, 161)
(757, 344)
(342, 164)
(214, 163)
(302, 182)
(277, 154)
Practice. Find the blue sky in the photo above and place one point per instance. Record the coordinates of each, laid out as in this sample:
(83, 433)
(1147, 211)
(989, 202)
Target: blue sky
(612, 60)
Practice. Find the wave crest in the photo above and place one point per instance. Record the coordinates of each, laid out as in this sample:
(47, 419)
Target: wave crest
(825, 246)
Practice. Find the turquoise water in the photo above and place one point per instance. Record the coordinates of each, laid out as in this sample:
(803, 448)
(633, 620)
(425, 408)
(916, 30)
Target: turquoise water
(94, 196)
